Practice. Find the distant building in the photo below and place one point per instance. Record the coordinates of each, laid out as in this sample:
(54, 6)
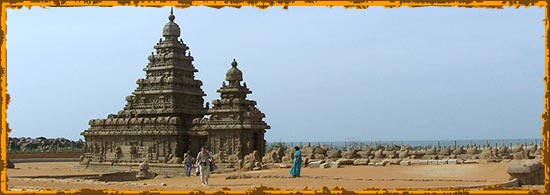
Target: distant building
(163, 118)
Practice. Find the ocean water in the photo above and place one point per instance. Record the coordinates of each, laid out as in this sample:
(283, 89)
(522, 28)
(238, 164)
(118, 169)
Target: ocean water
(418, 143)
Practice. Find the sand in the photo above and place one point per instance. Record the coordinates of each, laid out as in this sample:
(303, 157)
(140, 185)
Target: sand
(349, 177)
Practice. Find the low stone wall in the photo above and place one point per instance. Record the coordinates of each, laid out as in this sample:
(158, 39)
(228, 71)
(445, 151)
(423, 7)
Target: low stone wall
(44, 155)
(171, 170)
(28, 160)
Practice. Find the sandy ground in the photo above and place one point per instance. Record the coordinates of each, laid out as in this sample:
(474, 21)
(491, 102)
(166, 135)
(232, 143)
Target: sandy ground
(349, 177)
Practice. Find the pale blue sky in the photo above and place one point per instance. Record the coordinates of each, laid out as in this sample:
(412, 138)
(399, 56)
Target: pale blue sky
(319, 74)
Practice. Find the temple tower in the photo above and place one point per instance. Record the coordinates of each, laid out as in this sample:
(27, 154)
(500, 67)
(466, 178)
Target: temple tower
(235, 125)
(156, 121)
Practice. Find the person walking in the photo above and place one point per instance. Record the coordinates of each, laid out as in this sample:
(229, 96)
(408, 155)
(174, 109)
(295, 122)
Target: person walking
(203, 162)
(297, 163)
(188, 161)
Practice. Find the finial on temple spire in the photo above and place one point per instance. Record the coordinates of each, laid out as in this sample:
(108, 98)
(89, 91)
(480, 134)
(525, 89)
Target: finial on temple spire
(234, 63)
(171, 17)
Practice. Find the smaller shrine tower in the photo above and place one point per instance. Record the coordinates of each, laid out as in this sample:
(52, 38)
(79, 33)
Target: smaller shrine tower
(235, 126)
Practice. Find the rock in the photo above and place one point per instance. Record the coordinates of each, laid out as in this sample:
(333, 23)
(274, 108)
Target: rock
(335, 154)
(257, 168)
(432, 162)
(404, 154)
(518, 148)
(344, 161)
(284, 166)
(319, 150)
(361, 162)
(472, 150)
(486, 153)
(458, 151)
(519, 155)
(371, 164)
(379, 154)
(452, 161)
(471, 162)
(405, 163)
(316, 164)
(502, 150)
(162, 184)
(391, 154)
(286, 159)
(528, 172)
(380, 164)
(334, 165)
(419, 162)
(324, 165)
(431, 151)
(350, 154)
(446, 151)
(394, 161)
(10, 164)
(441, 162)
(319, 156)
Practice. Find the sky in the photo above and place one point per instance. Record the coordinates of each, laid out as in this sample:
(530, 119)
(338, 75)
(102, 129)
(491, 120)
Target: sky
(318, 73)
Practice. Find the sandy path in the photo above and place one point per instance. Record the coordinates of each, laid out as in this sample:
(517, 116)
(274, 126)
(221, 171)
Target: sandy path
(350, 177)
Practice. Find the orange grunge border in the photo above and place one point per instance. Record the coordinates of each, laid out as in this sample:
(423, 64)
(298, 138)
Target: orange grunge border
(360, 4)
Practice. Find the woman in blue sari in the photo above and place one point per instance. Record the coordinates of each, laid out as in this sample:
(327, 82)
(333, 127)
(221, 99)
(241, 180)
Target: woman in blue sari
(297, 163)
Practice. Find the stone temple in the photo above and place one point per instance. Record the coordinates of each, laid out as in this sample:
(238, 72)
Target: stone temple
(163, 118)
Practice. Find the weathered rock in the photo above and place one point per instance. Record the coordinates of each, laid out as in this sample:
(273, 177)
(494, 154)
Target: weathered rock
(441, 162)
(518, 148)
(287, 159)
(350, 154)
(379, 154)
(471, 162)
(319, 156)
(486, 154)
(320, 150)
(403, 154)
(458, 151)
(519, 155)
(361, 161)
(344, 161)
(363, 154)
(391, 154)
(502, 150)
(419, 162)
(472, 150)
(324, 165)
(446, 151)
(10, 164)
(528, 172)
(316, 164)
(284, 166)
(405, 163)
(431, 151)
(334, 154)
(452, 161)
(394, 161)
(432, 162)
